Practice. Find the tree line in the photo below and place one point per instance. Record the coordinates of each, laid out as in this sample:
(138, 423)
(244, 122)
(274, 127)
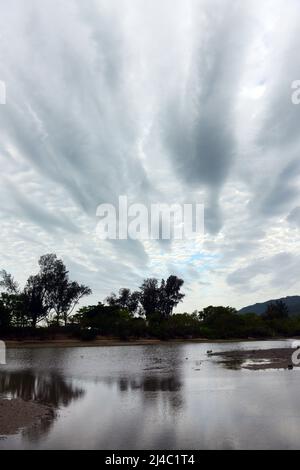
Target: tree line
(47, 305)
(49, 297)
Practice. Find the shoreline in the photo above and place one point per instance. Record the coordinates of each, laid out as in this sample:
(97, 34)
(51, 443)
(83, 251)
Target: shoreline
(114, 342)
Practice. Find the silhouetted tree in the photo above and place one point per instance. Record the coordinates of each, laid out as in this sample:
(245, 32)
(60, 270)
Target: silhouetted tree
(161, 298)
(127, 300)
(276, 310)
(5, 316)
(222, 322)
(11, 301)
(61, 294)
(150, 296)
(36, 300)
(170, 294)
(71, 296)
(8, 283)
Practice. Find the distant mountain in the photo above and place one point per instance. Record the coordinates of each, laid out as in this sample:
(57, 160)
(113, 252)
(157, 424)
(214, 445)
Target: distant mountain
(292, 303)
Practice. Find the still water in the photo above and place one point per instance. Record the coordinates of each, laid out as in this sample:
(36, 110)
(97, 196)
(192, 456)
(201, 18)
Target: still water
(170, 396)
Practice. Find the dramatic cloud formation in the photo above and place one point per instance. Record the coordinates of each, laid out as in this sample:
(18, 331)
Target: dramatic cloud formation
(163, 101)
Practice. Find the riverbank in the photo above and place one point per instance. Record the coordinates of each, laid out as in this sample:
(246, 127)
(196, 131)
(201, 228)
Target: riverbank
(105, 342)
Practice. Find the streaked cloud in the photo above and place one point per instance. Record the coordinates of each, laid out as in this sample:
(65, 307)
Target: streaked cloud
(164, 101)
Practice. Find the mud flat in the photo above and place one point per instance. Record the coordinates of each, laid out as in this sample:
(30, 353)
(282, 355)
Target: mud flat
(261, 359)
(18, 414)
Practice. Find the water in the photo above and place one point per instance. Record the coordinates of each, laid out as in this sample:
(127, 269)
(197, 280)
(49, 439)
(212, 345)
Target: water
(170, 396)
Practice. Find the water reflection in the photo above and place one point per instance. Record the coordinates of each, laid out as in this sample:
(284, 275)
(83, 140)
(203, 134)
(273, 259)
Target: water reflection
(49, 389)
(232, 364)
(165, 396)
(159, 380)
(151, 384)
(155, 387)
(52, 390)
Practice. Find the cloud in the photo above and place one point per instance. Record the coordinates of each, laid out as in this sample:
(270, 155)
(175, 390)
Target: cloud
(163, 102)
(294, 217)
(282, 269)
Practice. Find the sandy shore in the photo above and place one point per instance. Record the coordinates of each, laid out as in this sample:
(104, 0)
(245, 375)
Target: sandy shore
(18, 414)
(280, 358)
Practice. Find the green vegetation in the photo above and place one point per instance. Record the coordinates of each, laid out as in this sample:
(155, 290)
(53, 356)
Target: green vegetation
(45, 307)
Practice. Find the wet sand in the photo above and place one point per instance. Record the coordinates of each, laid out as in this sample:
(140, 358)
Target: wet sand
(280, 358)
(18, 414)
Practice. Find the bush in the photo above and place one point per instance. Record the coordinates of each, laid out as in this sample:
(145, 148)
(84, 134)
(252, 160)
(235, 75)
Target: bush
(88, 334)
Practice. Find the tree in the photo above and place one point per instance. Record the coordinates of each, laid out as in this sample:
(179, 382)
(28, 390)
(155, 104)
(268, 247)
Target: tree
(150, 296)
(70, 297)
(170, 294)
(61, 294)
(161, 298)
(107, 320)
(127, 300)
(222, 322)
(8, 283)
(112, 300)
(15, 307)
(209, 314)
(51, 291)
(5, 315)
(36, 300)
(276, 310)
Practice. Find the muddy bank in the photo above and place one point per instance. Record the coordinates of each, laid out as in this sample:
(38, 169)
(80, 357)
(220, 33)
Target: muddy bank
(280, 358)
(74, 343)
(18, 414)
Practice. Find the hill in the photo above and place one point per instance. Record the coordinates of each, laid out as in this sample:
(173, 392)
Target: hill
(292, 303)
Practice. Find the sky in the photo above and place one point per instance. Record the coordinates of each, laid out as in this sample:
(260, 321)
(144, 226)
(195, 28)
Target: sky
(164, 102)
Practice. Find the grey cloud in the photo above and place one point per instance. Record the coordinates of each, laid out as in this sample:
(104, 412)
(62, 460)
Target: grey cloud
(278, 191)
(32, 210)
(143, 98)
(294, 217)
(89, 130)
(281, 124)
(283, 269)
(199, 129)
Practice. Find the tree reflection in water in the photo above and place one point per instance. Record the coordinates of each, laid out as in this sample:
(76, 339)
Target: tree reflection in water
(156, 388)
(160, 381)
(52, 390)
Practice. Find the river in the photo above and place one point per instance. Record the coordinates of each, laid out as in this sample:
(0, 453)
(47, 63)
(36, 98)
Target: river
(166, 396)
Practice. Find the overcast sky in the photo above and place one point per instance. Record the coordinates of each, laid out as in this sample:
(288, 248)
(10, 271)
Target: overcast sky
(164, 101)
